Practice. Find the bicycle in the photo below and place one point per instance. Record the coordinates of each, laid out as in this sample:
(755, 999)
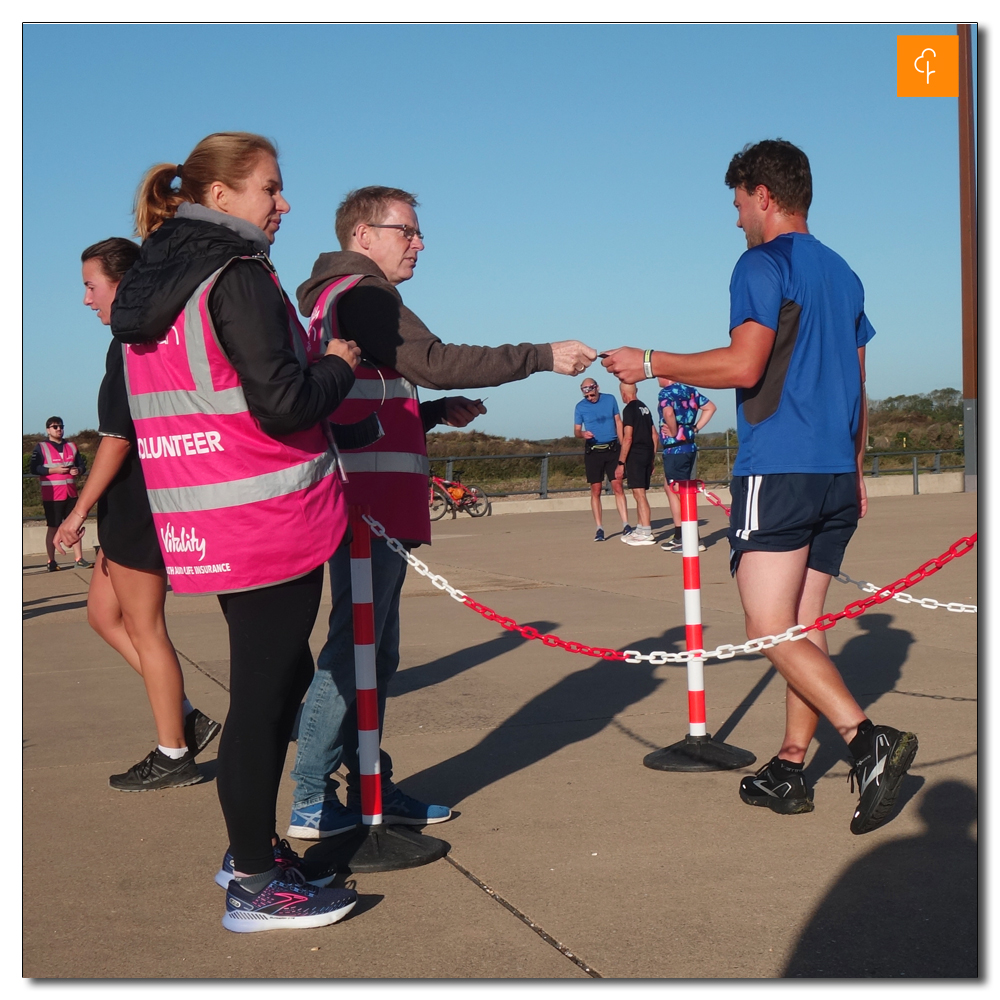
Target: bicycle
(454, 495)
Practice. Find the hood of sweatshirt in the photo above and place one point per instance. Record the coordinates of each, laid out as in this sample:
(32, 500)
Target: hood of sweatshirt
(173, 262)
(329, 267)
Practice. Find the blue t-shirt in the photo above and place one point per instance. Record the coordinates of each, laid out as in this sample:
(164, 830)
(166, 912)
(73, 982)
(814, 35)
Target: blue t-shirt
(803, 414)
(686, 401)
(598, 418)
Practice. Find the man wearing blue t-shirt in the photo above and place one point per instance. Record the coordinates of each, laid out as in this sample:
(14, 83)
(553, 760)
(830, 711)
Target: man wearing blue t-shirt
(796, 358)
(597, 421)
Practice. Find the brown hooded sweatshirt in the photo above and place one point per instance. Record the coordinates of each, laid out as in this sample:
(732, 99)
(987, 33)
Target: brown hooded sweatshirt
(373, 315)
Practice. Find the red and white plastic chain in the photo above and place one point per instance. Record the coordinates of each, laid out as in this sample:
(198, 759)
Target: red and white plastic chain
(864, 585)
(724, 652)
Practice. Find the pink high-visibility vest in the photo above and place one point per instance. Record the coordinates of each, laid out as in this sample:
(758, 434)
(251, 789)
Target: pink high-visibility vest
(58, 485)
(390, 475)
(234, 508)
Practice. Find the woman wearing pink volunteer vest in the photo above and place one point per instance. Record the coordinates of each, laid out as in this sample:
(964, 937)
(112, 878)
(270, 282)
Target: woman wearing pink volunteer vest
(242, 482)
(128, 588)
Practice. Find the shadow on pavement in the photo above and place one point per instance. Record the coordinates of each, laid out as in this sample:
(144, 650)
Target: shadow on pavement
(52, 609)
(443, 669)
(574, 709)
(871, 664)
(908, 909)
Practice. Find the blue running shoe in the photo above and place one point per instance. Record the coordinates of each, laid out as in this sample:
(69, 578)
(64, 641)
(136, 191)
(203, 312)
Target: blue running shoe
(599, 535)
(404, 810)
(283, 904)
(321, 819)
(285, 858)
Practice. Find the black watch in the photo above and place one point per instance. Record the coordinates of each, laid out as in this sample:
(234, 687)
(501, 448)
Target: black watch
(620, 462)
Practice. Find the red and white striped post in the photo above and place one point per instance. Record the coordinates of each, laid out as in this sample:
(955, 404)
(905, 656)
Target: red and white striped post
(364, 667)
(375, 846)
(697, 751)
(692, 606)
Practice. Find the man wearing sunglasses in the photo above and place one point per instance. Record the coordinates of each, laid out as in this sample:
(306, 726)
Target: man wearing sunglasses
(596, 419)
(57, 463)
(352, 293)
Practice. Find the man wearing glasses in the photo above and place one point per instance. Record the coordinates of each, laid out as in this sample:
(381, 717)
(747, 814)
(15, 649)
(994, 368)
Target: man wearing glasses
(352, 293)
(57, 463)
(597, 421)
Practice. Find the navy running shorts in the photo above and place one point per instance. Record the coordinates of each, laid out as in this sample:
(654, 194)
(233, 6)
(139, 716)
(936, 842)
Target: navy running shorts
(786, 511)
(679, 465)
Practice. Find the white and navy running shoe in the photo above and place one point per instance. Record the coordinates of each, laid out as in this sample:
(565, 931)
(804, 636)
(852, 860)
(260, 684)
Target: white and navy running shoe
(285, 858)
(283, 904)
(778, 788)
(882, 756)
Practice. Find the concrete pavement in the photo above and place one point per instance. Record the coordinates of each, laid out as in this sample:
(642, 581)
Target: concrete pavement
(603, 864)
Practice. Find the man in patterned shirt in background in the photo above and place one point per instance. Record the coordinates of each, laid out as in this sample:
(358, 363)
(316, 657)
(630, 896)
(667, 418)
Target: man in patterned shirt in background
(683, 412)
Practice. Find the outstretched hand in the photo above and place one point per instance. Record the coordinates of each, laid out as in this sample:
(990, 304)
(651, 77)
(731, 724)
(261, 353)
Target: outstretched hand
(625, 363)
(571, 357)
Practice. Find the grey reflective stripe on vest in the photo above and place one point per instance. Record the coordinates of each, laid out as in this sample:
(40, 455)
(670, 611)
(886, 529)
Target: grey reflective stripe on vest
(385, 461)
(372, 389)
(182, 499)
(203, 398)
(48, 481)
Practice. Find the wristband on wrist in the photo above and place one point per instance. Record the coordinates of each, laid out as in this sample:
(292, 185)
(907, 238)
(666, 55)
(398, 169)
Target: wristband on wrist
(647, 364)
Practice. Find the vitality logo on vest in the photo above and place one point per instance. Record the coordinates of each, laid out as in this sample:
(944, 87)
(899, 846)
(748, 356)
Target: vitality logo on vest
(184, 542)
(178, 445)
(188, 541)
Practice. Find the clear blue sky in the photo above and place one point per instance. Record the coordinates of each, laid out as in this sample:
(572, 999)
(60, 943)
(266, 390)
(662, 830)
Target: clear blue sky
(570, 179)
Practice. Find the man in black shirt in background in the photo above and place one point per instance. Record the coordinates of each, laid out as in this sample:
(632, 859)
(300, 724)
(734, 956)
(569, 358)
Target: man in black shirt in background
(638, 455)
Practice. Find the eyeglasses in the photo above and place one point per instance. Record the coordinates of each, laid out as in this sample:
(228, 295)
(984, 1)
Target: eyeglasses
(60, 426)
(408, 231)
(585, 389)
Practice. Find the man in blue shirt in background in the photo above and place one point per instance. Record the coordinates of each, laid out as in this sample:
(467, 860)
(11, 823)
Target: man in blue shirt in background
(596, 419)
(796, 358)
(683, 412)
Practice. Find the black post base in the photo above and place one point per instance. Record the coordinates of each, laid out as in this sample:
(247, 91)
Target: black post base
(373, 849)
(699, 753)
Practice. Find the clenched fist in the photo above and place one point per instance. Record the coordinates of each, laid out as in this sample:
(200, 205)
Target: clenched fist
(345, 349)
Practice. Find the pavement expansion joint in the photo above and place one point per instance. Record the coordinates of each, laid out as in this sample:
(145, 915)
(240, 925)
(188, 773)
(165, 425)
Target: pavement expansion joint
(544, 935)
(200, 669)
(936, 697)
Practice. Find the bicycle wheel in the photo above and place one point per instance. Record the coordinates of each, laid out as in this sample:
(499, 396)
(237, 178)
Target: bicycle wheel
(440, 502)
(477, 503)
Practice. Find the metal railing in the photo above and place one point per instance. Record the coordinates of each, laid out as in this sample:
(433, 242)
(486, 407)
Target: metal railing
(544, 490)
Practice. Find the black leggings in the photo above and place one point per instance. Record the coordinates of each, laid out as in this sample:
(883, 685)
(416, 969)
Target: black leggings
(270, 669)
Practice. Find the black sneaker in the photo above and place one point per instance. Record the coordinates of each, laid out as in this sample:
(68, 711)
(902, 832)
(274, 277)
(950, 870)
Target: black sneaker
(784, 791)
(882, 756)
(157, 770)
(83, 564)
(199, 731)
(53, 567)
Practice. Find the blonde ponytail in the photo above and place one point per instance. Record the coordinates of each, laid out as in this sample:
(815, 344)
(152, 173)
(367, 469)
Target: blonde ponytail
(229, 157)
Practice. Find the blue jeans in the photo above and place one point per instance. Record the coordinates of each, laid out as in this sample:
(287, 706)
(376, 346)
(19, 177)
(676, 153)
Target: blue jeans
(328, 728)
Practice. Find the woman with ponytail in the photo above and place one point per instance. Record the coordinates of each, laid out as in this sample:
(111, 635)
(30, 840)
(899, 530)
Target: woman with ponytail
(128, 588)
(242, 477)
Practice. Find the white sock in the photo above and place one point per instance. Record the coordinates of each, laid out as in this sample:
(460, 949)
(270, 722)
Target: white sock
(174, 753)
(644, 529)
(187, 708)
